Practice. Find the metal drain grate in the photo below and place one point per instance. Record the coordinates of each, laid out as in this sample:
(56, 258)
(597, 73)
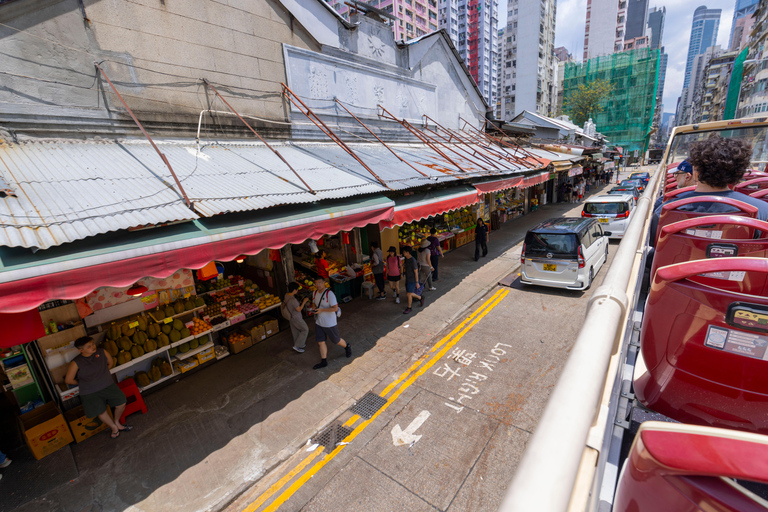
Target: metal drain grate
(369, 405)
(332, 436)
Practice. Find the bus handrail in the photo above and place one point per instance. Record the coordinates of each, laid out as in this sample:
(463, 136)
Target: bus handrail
(545, 478)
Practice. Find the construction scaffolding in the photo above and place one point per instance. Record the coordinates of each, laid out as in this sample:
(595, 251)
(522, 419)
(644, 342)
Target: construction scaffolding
(627, 116)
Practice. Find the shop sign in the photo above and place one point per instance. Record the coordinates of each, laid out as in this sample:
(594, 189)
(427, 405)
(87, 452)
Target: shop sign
(133, 325)
(552, 175)
(167, 320)
(575, 171)
(189, 325)
(150, 301)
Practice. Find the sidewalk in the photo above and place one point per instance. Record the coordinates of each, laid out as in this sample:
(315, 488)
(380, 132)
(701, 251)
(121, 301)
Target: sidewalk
(210, 437)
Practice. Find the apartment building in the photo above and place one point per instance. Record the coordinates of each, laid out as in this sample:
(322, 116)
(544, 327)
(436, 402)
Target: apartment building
(477, 43)
(605, 27)
(415, 18)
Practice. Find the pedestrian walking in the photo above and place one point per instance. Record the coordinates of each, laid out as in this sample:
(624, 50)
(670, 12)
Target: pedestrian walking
(581, 190)
(377, 267)
(568, 192)
(299, 328)
(411, 269)
(436, 252)
(326, 312)
(90, 371)
(393, 272)
(481, 239)
(425, 265)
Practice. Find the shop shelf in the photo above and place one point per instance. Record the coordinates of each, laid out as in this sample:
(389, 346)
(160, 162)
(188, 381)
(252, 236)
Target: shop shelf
(181, 357)
(153, 384)
(170, 319)
(137, 360)
(190, 338)
(270, 308)
(222, 325)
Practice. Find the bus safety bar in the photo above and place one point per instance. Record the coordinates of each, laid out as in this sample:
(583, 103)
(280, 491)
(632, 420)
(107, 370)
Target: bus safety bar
(544, 480)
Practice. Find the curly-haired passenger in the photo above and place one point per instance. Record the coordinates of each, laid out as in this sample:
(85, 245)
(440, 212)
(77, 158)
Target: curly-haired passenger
(718, 164)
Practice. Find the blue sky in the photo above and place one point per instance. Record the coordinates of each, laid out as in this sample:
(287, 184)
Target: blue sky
(569, 32)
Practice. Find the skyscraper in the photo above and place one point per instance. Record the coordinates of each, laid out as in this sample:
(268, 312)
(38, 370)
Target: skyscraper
(477, 20)
(448, 18)
(637, 19)
(742, 9)
(605, 26)
(414, 17)
(706, 23)
(656, 18)
(529, 65)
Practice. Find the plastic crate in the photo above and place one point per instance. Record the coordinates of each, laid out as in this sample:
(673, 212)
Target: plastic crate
(341, 290)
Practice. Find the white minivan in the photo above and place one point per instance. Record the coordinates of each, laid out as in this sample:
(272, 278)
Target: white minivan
(564, 253)
(613, 211)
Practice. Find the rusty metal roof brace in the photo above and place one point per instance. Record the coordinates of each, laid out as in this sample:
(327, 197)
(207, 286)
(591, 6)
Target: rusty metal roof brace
(497, 149)
(513, 147)
(162, 156)
(378, 139)
(386, 114)
(460, 143)
(291, 96)
(276, 152)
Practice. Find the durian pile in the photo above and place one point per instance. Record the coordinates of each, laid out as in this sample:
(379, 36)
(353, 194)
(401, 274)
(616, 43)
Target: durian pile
(185, 347)
(160, 368)
(178, 307)
(126, 343)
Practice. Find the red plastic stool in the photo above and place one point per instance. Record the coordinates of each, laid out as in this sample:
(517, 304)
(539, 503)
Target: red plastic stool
(131, 391)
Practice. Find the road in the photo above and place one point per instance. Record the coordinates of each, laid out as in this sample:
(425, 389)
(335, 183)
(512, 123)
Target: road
(455, 421)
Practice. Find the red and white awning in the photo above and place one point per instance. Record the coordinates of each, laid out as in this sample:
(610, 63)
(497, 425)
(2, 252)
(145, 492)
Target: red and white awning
(414, 208)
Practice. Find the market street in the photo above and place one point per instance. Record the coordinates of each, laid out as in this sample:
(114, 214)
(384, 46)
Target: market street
(457, 415)
(222, 437)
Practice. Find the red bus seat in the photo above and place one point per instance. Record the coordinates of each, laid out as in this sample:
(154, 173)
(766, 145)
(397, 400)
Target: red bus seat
(747, 187)
(693, 239)
(687, 468)
(703, 347)
(671, 212)
(760, 194)
(752, 174)
(676, 192)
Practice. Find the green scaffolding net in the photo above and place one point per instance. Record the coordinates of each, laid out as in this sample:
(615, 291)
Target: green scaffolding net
(627, 116)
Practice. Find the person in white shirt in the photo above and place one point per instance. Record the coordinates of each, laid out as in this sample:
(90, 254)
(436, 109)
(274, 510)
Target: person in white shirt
(324, 309)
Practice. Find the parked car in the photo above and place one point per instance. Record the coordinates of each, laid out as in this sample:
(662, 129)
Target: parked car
(646, 177)
(639, 183)
(629, 189)
(564, 253)
(613, 211)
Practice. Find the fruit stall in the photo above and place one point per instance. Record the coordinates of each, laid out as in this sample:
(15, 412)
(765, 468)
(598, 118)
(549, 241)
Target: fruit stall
(158, 330)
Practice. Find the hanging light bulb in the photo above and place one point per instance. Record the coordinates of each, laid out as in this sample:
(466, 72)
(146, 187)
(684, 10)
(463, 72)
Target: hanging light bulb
(137, 290)
(240, 258)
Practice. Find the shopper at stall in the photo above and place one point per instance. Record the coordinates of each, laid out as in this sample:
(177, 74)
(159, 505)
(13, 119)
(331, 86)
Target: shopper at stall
(326, 323)
(321, 264)
(435, 252)
(393, 272)
(90, 371)
(299, 328)
(411, 279)
(481, 239)
(377, 267)
(425, 266)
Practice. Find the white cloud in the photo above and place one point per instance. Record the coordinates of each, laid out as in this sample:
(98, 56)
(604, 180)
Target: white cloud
(571, 17)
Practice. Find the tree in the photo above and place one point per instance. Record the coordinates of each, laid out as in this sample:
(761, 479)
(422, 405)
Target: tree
(585, 101)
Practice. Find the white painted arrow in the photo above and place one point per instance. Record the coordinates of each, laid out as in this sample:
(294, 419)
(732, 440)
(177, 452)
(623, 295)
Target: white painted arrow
(402, 437)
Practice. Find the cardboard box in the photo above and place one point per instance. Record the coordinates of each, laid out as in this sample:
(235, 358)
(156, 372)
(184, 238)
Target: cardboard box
(271, 327)
(257, 333)
(83, 427)
(207, 354)
(234, 348)
(20, 376)
(186, 365)
(45, 430)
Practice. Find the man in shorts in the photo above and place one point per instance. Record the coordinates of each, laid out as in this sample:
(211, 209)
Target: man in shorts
(326, 325)
(90, 371)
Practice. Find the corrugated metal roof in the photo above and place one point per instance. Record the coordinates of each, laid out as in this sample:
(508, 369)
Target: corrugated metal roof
(69, 190)
(66, 191)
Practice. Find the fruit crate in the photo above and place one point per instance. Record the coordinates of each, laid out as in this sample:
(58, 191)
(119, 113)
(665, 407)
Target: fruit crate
(206, 355)
(185, 366)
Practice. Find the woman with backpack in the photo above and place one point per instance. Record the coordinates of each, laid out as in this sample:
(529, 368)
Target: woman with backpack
(291, 311)
(393, 272)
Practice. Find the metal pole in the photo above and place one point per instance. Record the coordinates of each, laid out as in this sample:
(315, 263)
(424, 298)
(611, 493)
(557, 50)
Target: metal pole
(162, 156)
(208, 84)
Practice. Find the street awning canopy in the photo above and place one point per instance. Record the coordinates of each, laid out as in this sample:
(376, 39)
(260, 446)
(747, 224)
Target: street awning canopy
(120, 259)
(421, 206)
(488, 187)
(535, 179)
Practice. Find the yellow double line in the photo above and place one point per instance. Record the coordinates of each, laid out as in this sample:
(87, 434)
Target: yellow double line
(404, 382)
